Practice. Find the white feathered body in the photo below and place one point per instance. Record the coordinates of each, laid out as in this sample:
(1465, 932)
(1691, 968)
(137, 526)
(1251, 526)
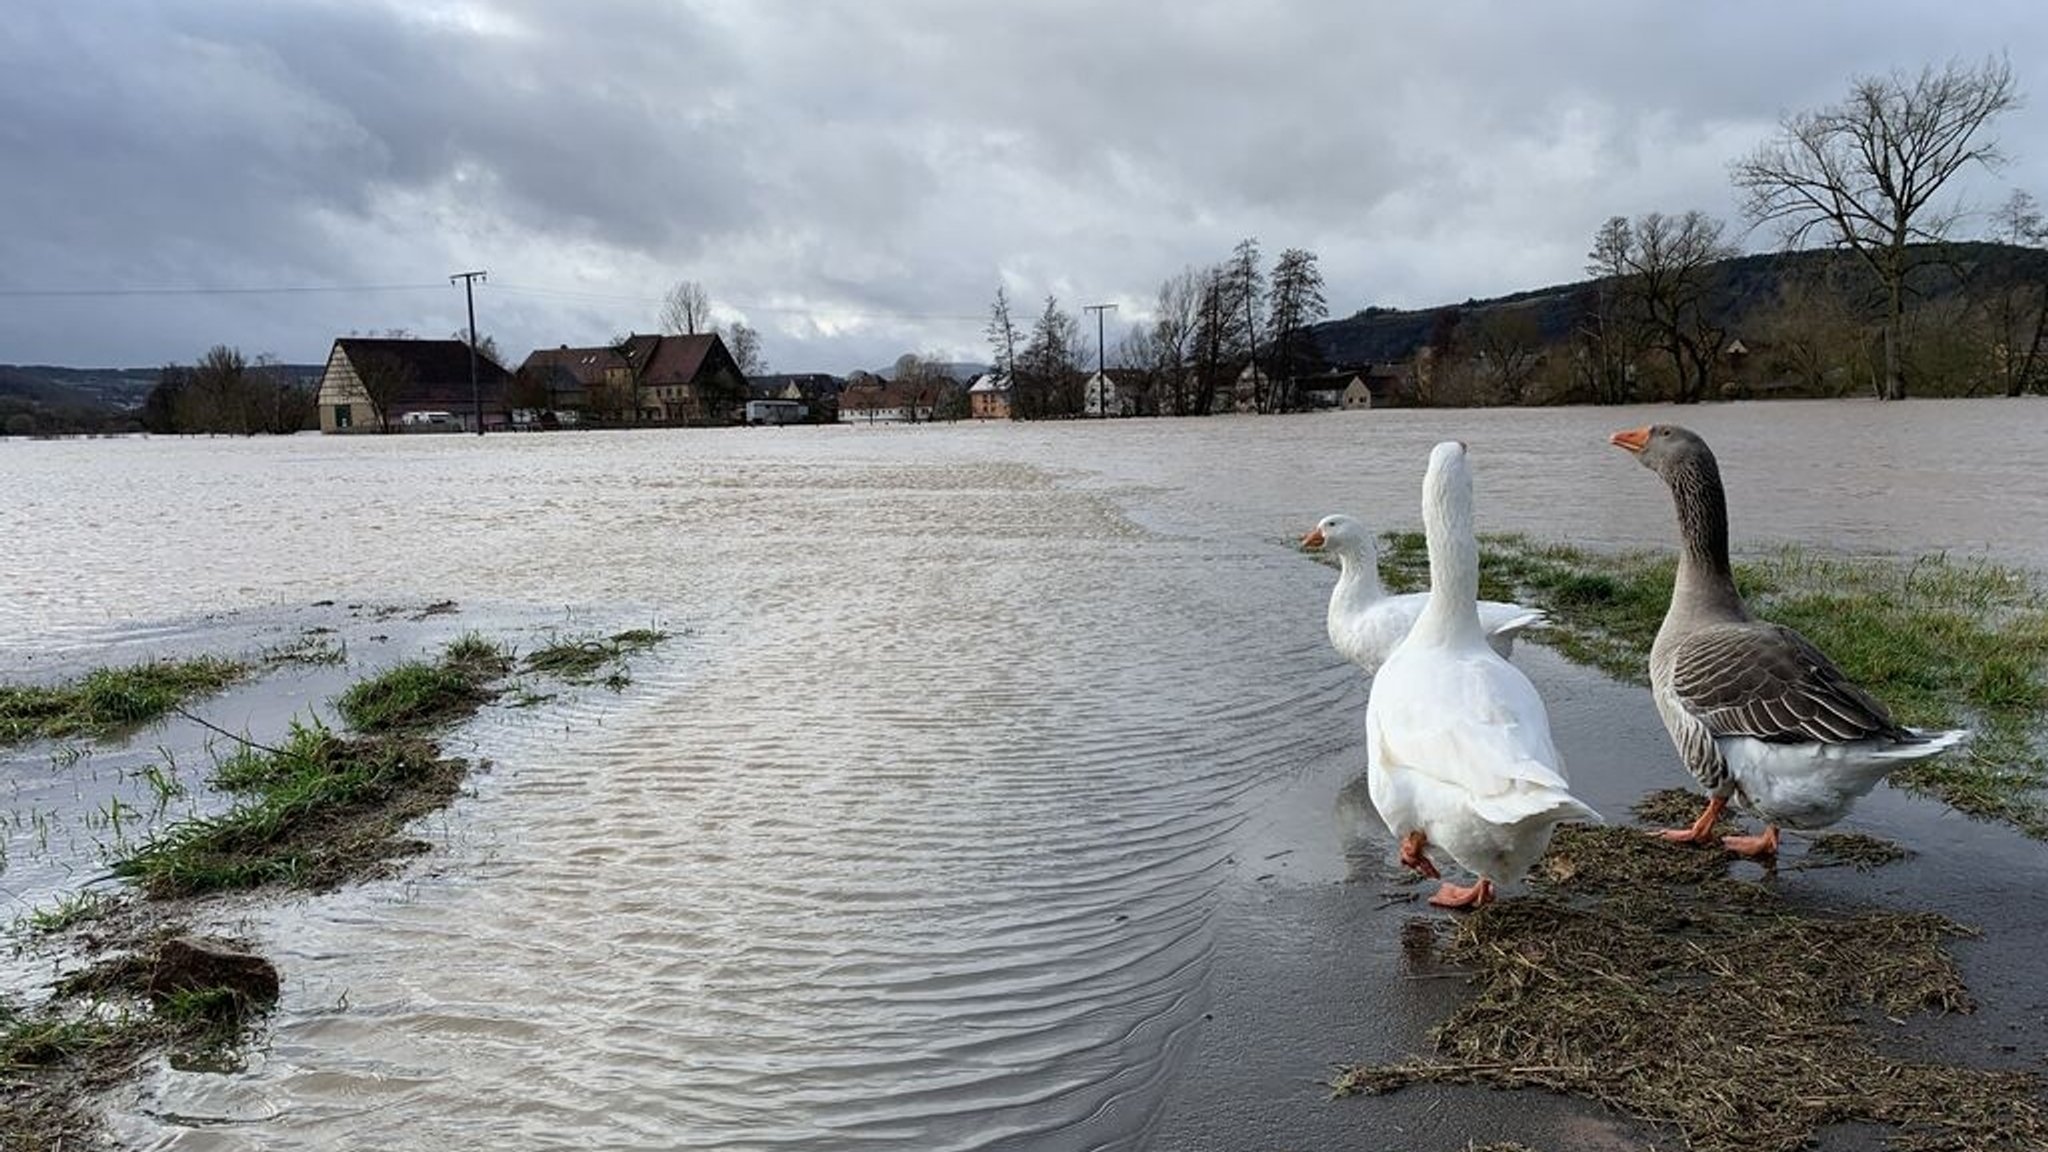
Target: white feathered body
(1459, 747)
(1366, 624)
(1810, 786)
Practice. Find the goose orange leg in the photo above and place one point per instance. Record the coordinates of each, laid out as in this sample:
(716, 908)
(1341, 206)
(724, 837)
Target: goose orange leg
(1452, 896)
(1412, 857)
(1702, 829)
(1754, 847)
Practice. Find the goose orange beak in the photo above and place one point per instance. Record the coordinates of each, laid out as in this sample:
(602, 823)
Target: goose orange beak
(1635, 439)
(1314, 539)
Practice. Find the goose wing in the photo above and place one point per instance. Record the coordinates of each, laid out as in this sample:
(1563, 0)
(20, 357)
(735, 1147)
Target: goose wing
(1767, 681)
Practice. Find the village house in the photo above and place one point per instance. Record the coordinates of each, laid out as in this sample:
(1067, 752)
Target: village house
(873, 400)
(685, 379)
(565, 380)
(988, 398)
(374, 384)
(818, 392)
(643, 379)
(1113, 392)
(1373, 386)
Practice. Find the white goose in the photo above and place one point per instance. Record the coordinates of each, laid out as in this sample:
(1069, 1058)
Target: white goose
(1458, 745)
(1757, 713)
(1365, 622)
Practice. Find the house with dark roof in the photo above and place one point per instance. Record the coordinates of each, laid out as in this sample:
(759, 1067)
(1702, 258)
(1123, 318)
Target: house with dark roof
(641, 379)
(376, 384)
(569, 379)
(685, 379)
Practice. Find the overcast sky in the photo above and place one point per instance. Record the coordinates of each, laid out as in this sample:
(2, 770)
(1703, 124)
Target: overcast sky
(854, 179)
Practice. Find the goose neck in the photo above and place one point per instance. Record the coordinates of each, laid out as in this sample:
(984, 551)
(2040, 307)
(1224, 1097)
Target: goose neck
(1705, 580)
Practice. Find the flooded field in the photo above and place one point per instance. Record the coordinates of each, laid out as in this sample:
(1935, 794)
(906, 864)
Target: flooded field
(954, 813)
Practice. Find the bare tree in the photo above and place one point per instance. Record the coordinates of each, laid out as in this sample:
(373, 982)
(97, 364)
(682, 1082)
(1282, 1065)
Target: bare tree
(1666, 266)
(1509, 350)
(1245, 300)
(1608, 334)
(486, 344)
(745, 345)
(2017, 308)
(1297, 302)
(1867, 174)
(686, 310)
(1815, 335)
(1219, 338)
(385, 379)
(1168, 350)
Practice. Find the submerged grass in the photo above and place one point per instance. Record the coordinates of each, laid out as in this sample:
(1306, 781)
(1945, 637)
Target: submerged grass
(317, 811)
(1942, 642)
(418, 695)
(107, 701)
(1642, 977)
(321, 808)
(580, 661)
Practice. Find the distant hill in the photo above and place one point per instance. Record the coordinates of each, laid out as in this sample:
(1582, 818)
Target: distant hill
(118, 389)
(96, 389)
(1743, 287)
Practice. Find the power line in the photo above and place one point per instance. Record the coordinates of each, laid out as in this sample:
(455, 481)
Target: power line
(190, 290)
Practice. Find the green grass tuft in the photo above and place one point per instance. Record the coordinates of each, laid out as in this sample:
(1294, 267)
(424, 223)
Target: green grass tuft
(580, 661)
(318, 810)
(417, 695)
(108, 701)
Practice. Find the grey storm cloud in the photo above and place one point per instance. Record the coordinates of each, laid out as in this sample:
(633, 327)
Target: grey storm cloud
(855, 180)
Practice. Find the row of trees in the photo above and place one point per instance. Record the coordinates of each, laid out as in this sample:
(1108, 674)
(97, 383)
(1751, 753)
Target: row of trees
(1890, 301)
(1209, 325)
(227, 393)
(1865, 177)
(1897, 307)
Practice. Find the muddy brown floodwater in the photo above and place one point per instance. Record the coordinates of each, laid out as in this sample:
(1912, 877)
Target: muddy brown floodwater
(990, 795)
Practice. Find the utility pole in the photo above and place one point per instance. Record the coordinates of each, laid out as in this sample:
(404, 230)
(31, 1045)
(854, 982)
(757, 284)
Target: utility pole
(1101, 401)
(476, 395)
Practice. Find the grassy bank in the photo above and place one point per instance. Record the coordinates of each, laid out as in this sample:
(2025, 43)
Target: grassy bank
(1943, 642)
(1642, 976)
(321, 808)
(109, 701)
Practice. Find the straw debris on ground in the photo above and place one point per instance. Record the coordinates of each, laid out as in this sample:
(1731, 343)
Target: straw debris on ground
(1640, 975)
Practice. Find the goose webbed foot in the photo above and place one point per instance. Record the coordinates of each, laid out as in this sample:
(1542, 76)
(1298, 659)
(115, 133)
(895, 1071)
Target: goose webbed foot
(1412, 855)
(1453, 896)
(1702, 829)
(1756, 847)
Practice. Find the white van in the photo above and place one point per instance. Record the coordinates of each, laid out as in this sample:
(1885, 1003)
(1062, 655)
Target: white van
(428, 419)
